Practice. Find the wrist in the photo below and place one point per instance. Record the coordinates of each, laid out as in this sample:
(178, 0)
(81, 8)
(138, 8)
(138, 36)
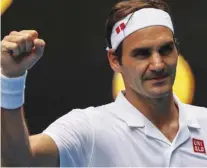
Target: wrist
(12, 91)
(12, 75)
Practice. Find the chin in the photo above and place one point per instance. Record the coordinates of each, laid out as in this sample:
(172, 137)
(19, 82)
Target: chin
(158, 95)
(159, 92)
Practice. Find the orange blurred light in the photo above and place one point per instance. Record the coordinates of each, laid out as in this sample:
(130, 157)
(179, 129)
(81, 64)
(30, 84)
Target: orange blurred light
(5, 4)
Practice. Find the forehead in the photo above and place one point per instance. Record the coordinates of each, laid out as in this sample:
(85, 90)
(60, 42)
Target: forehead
(148, 37)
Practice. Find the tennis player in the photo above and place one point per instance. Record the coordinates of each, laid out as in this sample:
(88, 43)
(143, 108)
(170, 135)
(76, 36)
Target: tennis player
(147, 125)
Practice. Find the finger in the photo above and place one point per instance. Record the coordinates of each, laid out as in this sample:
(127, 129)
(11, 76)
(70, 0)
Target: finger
(28, 35)
(28, 39)
(19, 40)
(33, 33)
(39, 46)
(14, 33)
(10, 47)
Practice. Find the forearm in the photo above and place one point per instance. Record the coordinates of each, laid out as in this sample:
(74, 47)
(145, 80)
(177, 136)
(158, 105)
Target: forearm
(19, 52)
(15, 145)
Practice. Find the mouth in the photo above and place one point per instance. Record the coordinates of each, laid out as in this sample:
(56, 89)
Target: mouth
(159, 79)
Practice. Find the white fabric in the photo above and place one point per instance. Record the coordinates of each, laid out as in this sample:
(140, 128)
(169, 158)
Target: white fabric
(12, 91)
(117, 134)
(140, 19)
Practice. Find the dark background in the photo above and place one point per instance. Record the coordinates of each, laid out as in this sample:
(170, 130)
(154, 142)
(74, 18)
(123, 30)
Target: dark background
(74, 71)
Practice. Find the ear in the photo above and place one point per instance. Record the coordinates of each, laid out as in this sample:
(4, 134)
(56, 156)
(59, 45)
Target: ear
(113, 61)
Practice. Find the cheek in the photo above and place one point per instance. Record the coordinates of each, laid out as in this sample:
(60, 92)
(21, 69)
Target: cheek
(141, 69)
(172, 59)
(133, 74)
(171, 62)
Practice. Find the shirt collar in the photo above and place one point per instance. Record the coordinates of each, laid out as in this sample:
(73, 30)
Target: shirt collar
(185, 114)
(127, 112)
(134, 118)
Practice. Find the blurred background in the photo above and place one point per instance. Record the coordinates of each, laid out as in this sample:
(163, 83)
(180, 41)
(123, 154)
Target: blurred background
(74, 71)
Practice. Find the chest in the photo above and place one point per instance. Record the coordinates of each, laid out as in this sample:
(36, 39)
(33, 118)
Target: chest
(133, 148)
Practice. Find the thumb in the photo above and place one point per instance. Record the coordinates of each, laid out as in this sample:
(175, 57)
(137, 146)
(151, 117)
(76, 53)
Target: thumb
(37, 52)
(39, 46)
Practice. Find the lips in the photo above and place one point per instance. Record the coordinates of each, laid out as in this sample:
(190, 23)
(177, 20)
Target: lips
(160, 77)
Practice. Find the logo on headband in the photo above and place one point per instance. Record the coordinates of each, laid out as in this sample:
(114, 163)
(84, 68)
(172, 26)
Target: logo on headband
(120, 28)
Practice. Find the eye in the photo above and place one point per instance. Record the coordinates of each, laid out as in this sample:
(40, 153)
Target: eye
(141, 53)
(166, 49)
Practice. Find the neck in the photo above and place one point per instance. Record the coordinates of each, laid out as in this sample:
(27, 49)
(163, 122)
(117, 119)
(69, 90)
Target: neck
(160, 111)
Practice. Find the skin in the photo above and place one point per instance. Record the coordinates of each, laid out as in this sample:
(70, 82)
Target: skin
(149, 60)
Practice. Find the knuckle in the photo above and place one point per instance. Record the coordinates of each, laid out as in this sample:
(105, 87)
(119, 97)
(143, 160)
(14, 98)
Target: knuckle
(14, 46)
(34, 32)
(28, 36)
(13, 32)
(3, 43)
(21, 39)
(6, 37)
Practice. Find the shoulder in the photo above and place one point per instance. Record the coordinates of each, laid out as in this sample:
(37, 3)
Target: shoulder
(91, 115)
(86, 117)
(74, 135)
(197, 111)
(91, 111)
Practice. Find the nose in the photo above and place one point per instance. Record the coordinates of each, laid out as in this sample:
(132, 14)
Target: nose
(156, 62)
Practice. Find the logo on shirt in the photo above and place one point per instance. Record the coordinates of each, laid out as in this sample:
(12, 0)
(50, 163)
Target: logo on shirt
(198, 146)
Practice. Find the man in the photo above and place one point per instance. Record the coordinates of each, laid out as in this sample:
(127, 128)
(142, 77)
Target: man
(147, 125)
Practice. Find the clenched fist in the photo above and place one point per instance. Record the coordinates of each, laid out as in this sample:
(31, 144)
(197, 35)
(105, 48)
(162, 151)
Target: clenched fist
(20, 51)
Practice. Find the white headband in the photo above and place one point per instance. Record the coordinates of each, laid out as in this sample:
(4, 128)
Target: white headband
(140, 19)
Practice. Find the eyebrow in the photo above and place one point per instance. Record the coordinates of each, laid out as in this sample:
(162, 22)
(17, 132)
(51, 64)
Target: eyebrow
(135, 50)
(166, 44)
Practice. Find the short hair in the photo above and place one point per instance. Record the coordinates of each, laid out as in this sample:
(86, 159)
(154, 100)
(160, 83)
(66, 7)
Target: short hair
(124, 8)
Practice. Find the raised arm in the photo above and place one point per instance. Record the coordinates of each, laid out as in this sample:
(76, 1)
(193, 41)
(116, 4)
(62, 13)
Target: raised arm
(19, 52)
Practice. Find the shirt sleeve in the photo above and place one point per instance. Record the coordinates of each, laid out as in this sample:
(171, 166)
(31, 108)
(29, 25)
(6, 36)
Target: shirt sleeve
(74, 136)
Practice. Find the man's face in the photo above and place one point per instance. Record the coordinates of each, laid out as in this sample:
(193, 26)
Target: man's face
(149, 60)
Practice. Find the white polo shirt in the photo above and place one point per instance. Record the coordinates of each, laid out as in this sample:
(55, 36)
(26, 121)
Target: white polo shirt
(117, 134)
